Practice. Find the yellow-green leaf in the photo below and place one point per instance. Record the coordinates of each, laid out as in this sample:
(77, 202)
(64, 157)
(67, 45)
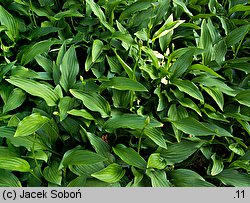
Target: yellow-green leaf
(30, 124)
(111, 174)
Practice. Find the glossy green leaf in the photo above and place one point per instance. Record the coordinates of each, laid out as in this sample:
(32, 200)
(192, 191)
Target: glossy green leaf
(15, 99)
(230, 177)
(156, 161)
(243, 97)
(8, 179)
(194, 127)
(52, 174)
(181, 64)
(64, 105)
(99, 145)
(156, 136)
(32, 87)
(158, 178)
(96, 49)
(45, 63)
(122, 83)
(69, 69)
(186, 102)
(205, 69)
(238, 7)
(127, 69)
(93, 101)
(177, 152)
(29, 142)
(30, 124)
(100, 14)
(82, 113)
(10, 23)
(14, 164)
(188, 178)
(189, 88)
(217, 165)
(130, 156)
(81, 157)
(86, 169)
(132, 121)
(236, 35)
(216, 94)
(211, 82)
(36, 49)
(183, 6)
(5, 152)
(135, 7)
(111, 174)
(78, 182)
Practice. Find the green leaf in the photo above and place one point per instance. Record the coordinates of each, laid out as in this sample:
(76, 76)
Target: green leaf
(230, 177)
(156, 136)
(217, 165)
(32, 87)
(96, 49)
(183, 6)
(8, 179)
(205, 69)
(156, 161)
(65, 104)
(236, 149)
(243, 97)
(93, 101)
(237, 35)
(99, 145)
(186, 102)
(194, 127)
(82, 113)
(211, 82)
(132, 121)
(100, 14)
(10, 23)
(152, 56)
(81, 157)
(216, 94)
(188, 178)
(29, 142)
(6, 152)
(30, 124)
(78, 182)
(166, 28)
(158, 178)
(15, 99)
(52, 174)
(189, 88)
(237, 8)
(181, 64)
(127, 69)
(178, 152)
(14, 164)
(135, 7)
(38, 48)
(69, 69)
(122, 83)
(45, 63)
(130, 156)
(111, 174)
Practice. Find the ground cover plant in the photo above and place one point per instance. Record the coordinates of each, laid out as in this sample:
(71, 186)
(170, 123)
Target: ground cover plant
(148, 93)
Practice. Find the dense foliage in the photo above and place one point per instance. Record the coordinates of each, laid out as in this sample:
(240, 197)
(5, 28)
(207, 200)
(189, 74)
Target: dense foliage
(124, 93)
